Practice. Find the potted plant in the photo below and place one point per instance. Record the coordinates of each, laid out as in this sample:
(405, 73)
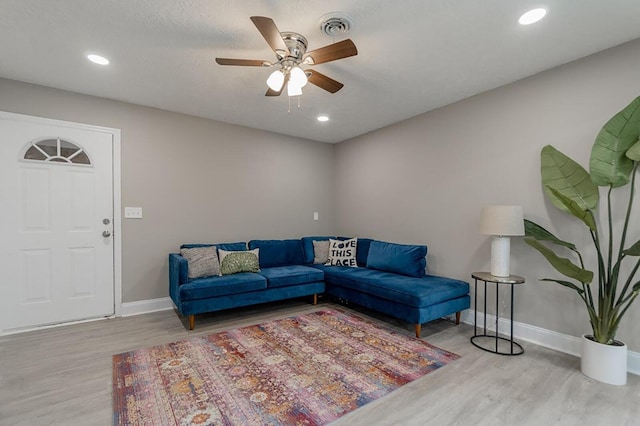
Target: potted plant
(609, 294)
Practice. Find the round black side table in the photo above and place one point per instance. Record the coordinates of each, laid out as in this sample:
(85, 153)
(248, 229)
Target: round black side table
(485, 341)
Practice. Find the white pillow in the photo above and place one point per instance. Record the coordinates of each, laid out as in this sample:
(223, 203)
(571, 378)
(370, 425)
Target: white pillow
(343, 253)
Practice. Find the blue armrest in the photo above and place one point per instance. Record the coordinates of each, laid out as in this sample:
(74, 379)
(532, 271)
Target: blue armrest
(178, 275)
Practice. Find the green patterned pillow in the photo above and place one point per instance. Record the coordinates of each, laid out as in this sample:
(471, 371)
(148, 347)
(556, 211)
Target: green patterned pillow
(232, 262)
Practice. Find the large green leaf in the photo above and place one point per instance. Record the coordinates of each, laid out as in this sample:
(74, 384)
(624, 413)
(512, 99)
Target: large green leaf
(566, 284)
(532, 229)
(608, 164)
(574, 209)
(562, 265)
(633, 153)
(568, 178)
(634, 250)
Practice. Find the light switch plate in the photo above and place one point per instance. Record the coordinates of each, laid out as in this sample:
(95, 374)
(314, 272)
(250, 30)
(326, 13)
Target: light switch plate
(133, 212)
(315, 216)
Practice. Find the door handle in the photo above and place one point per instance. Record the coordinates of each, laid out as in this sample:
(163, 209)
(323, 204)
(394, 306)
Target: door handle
(106, 234)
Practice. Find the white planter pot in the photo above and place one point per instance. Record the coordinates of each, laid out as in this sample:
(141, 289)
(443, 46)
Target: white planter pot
(605, 363)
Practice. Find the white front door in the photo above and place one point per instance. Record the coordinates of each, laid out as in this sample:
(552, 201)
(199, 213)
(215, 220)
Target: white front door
(56, 222)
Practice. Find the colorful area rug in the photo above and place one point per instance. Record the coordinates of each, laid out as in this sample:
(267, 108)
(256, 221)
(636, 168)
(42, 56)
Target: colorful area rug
(310, 369)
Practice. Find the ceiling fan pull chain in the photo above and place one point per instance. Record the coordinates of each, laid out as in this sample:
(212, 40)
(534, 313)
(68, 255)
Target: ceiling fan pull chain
(289, 110)
(299, 98)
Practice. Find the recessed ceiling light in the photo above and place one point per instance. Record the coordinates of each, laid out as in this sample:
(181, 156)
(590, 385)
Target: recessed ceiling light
(97, 59)
(532, 16)
(323, 118)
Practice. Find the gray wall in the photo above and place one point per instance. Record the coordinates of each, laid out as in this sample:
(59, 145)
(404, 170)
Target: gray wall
(425, 180)
(197, 180)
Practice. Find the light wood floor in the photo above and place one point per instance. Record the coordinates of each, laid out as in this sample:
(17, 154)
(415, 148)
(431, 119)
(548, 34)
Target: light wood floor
(62, 376)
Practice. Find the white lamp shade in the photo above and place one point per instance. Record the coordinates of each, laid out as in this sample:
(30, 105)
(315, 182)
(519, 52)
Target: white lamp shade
(276, 80)
(502, 220)
(298, 77)
(293, 89)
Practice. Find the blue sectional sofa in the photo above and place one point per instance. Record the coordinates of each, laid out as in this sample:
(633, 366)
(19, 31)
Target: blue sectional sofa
(390, 278)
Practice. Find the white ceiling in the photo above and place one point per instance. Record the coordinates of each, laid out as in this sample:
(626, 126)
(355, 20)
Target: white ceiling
(413, 55)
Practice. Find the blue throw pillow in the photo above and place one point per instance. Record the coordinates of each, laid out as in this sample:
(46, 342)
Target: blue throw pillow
(397, 258)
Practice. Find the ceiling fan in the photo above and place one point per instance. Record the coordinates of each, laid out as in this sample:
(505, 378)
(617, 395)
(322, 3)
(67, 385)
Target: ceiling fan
(291, 52)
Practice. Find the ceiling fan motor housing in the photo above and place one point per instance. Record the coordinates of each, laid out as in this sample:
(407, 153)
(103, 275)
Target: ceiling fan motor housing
(296, 43)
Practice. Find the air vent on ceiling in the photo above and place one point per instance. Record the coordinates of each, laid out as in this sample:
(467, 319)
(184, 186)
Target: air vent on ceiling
(336, 24)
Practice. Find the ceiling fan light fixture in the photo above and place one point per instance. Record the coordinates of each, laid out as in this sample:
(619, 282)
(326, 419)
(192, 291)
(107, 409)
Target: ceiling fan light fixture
(293, 89)
(275, 80)
(298, 77)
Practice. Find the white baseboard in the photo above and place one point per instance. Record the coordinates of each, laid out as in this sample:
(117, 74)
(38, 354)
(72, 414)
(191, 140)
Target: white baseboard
(543, 337)
(146, 306)
(48, 326)
(127, 309)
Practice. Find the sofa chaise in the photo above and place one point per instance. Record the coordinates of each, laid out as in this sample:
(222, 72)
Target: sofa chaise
(389, 278)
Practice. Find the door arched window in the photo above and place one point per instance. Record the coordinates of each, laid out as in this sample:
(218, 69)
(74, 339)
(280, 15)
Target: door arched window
(56, 150)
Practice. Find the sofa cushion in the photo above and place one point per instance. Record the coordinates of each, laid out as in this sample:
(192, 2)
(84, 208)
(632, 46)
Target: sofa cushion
(343, 253)
(411, 291)
(233, 262)
(240, 246)
(307, 246)
(203, 288)
(282, 276)
(398, 258)
(202, 261)
(278, 252)
(362, 251)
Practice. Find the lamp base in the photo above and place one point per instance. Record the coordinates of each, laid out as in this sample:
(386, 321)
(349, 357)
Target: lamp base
(500, 247)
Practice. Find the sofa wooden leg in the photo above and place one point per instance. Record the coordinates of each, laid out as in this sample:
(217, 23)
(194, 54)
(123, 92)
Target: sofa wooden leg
(457, 317)
(418, 330)
(192, 322)
(315, 299)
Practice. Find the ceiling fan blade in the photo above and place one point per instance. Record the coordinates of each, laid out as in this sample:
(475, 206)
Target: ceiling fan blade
(242, 62)
(324, 82)
(271, 34)
(271, 92)
(332, 52)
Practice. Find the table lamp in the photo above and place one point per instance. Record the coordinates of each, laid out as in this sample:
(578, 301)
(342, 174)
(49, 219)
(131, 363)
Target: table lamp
(501, 222)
